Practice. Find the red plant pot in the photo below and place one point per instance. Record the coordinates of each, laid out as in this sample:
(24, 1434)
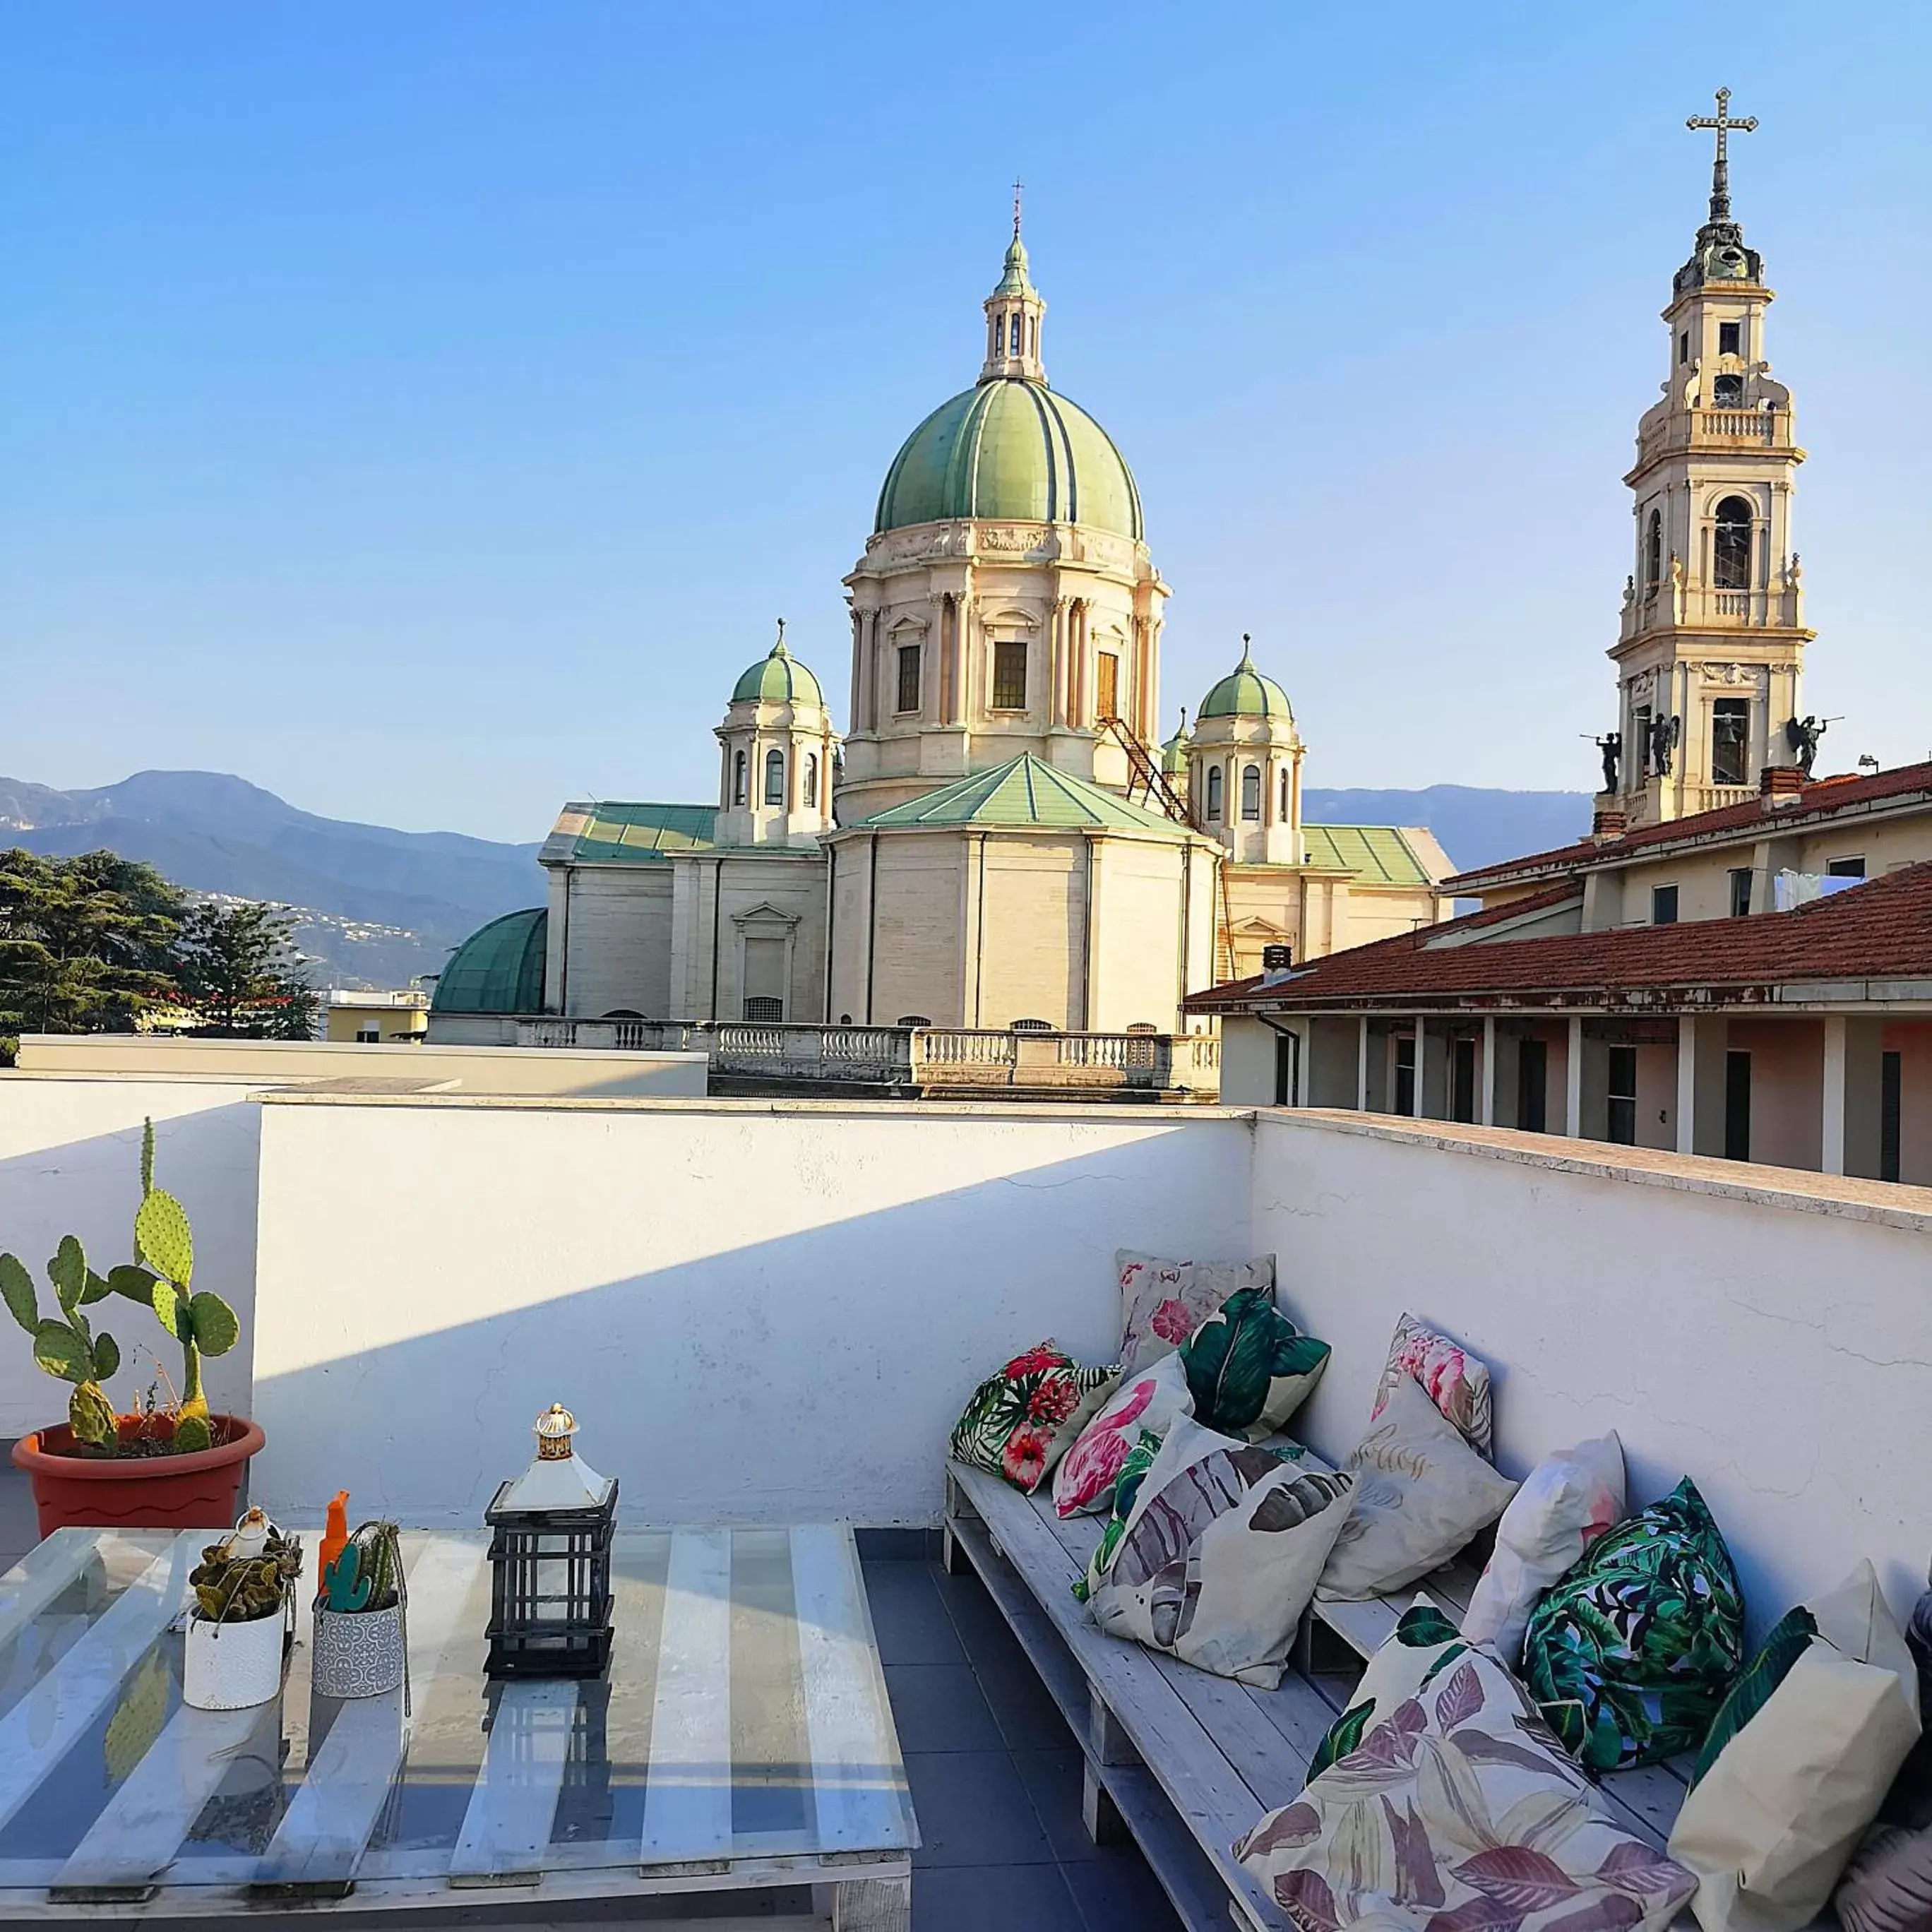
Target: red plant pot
(199, 1490)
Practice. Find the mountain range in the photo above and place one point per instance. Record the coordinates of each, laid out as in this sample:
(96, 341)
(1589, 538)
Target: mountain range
(377, 907)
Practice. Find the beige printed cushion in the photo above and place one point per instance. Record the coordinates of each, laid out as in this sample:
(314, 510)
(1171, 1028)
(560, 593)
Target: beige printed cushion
(1163, 1302)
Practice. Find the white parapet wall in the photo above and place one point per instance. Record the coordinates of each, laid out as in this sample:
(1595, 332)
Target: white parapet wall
(70, 1164)
(1767, 1332)
(761, 1312)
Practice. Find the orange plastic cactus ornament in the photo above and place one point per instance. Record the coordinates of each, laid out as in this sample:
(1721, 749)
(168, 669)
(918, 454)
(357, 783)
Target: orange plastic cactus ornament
(334, 1536)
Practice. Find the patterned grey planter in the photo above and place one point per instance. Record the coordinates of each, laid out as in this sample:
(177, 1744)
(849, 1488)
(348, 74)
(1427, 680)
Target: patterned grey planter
(357, 1653)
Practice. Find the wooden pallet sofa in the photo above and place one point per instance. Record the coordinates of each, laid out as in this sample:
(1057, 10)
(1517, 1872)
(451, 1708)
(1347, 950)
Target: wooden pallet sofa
(1181, 1760)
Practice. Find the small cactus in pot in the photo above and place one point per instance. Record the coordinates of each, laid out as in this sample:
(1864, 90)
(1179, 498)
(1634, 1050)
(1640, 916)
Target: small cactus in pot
(363, 1576)
(239, 1628)
(360, 1640)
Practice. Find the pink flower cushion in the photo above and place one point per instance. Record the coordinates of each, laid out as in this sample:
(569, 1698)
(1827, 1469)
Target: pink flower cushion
(1163, 1302)
(1083, 1484)
(1020, 1421)
(1457, 1382)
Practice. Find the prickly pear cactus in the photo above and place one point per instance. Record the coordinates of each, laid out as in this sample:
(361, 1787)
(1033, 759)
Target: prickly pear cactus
(65, 1344)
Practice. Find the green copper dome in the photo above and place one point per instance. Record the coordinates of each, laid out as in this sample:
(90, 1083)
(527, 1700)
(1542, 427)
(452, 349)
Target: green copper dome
(1010, 449)
(498, 969)
(1245, 693)
(1174, 753)
(779, 679)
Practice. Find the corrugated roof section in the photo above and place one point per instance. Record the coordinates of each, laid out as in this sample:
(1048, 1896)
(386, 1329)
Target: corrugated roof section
(606, 834)
(1027, 793)
(1379, 855)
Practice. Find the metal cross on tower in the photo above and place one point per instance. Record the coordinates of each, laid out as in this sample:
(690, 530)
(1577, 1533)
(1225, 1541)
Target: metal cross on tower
(1720, 168)
(1017, 185)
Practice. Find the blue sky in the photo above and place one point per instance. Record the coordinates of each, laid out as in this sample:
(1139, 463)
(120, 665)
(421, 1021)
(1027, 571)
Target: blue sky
(425, 410)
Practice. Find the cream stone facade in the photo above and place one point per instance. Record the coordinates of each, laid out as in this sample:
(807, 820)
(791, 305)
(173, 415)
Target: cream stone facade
(994, 842)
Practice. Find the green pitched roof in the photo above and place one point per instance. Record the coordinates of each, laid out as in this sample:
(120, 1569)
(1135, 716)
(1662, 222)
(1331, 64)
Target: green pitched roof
(1010, 448)
(628, 835)
(1245, 693)
(779, 679)
(498, 969)
(1026, 794)
(1379, 855)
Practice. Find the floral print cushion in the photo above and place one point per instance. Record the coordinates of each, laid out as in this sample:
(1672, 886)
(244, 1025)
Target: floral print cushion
(1424, 1639)
(1126, 1489)
(1019, 1422)
(1248, 1367)
(1459, 1812)
(1220, 1554)
(1083, 1483)
(1631, 1655)
(1163, 1302)
(1455, 1381)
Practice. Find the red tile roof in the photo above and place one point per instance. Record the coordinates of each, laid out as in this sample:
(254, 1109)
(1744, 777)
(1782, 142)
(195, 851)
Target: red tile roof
(1820, 801)
(1881, 929)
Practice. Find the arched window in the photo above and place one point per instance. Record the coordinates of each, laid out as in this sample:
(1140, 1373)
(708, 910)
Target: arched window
(774, 777)
(1731, 556)
(1284, 795)
(808, 797)
(738, 778)
(1214, 791)
(1653, 548)
(1251, 792)
(1013, 336)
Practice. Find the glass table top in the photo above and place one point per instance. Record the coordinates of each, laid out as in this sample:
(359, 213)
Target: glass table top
(742, 1728)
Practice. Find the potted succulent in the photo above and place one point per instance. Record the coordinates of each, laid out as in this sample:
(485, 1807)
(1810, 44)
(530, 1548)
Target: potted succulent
(242, 1620)
(172, 1466)
(361, 1636)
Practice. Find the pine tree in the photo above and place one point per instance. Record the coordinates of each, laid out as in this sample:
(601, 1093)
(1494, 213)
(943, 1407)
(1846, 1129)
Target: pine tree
(239, 968)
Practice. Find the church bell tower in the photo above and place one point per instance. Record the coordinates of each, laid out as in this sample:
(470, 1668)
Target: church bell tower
(1711, 648)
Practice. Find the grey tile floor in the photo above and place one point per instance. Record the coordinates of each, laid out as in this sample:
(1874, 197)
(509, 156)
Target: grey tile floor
(995, 1772)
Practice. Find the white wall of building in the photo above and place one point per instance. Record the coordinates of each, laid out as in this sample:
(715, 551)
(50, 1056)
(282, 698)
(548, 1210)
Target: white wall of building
(70, 1164)
(1763, 1333)
(757, 1312)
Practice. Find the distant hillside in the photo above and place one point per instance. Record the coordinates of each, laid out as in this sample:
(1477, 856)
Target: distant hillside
(379, 906)
(1473, 826)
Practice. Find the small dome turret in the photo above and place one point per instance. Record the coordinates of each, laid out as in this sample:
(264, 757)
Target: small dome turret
(1245, 693)
(1174, 753)
(778, 678)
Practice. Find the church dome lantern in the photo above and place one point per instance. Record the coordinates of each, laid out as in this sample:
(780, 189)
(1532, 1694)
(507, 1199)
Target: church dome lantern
(778, 754)
(777, 678)
(1245, 693)
(1244, 767)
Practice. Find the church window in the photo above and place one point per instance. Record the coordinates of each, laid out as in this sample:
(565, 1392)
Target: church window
(1013, 335)
(1284, 794)
(1640, 737)
(809, 792)
(1251, 792)
(908, 697)
(737, 777)
(1730, 740)
(1730, 338)
(1010, 677)
(774, 789)
(1728, 392)
(1108, 683)
(1214, 791)
(1683, 346)
(1653, 548)
(1731, 563)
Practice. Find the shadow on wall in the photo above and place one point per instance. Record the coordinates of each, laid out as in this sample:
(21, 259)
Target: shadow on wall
(811, 1376)
(90, 1187)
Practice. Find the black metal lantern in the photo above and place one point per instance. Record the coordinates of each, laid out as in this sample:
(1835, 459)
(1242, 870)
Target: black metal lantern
(550, 1561)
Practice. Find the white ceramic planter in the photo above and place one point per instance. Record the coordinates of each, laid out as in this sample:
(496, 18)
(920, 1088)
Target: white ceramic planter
(357, 1653)
(228, 1667)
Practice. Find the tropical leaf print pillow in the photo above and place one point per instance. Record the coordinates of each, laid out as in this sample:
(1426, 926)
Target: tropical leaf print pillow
(1458, 1811)
(1163, 1302)
(1019, 1422)
(1249, 1367)
(1126, 1488)
(1454, 1380)
(1220, 1558)
(1083, 1482)
(1631, 1655)
(1424, 1642)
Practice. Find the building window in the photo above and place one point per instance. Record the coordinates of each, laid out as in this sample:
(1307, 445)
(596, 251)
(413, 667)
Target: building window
(368, 1036)
(1730, 740)
(1462, 1081)
(1640, 760)
(1891, 1087)
(1731, 561)
(1251, 792)
(1740, 877)
(1214, 791)
(908, 695)
(762, 1006)
(1404, 1073)
(1846, 869)
(1737, 1106)
(1532, 1086)
(1013, 334)
(1622, 1086)
(775, 778)
(737, 777)
(1284, 795)
(1684, 347)
(1107, 686)
(1009, 677)
(1653, 548)
(1663, 905)
(1287, 1068)
(1728, 392)
(808, 792)
(1730, 338)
